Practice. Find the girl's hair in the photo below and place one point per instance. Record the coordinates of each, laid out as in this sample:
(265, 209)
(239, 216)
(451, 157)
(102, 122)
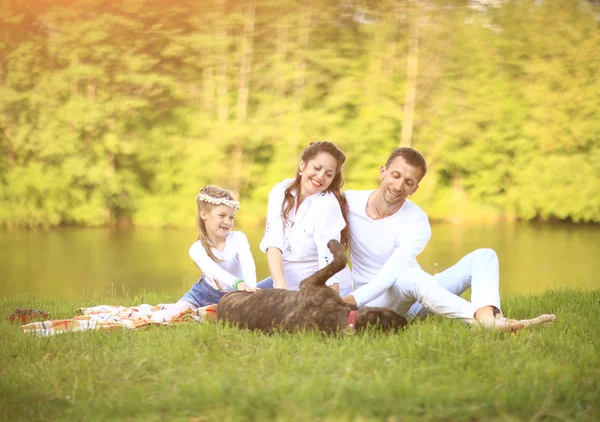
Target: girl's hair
(335, 187)
(201, 205)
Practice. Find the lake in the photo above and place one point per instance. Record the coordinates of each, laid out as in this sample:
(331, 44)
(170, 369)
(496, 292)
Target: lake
(73, 263)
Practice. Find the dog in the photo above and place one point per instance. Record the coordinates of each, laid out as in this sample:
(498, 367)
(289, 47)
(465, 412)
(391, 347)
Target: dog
(314, 307)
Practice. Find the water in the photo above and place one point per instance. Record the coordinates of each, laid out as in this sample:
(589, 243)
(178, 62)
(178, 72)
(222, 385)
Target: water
(75, 263)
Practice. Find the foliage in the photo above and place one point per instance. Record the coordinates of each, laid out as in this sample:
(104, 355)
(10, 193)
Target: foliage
(118, 112)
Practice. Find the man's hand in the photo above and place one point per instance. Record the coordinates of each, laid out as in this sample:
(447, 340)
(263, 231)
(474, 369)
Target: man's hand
(350, 300)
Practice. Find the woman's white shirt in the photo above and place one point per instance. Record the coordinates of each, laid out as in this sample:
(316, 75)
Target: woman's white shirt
(303, 239)
(237, 262)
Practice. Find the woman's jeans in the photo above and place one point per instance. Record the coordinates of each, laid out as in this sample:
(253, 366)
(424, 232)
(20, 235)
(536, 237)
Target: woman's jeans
(267, 283)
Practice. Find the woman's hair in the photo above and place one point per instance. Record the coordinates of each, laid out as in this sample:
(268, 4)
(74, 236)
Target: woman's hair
(335, 187)
(203, 205)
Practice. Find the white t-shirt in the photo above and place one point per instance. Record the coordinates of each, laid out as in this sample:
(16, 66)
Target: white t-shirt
(237, 262)
(380, 249)
(303, 240)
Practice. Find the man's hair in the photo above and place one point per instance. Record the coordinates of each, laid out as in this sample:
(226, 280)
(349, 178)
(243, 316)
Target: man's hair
(411, 156)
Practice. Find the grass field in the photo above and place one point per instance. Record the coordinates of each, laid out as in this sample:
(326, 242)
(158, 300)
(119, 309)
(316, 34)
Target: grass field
(435, 370)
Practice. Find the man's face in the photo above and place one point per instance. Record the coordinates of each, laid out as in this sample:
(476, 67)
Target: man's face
(398, 181)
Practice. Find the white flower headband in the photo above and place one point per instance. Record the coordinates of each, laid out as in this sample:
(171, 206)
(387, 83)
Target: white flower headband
(218, 201)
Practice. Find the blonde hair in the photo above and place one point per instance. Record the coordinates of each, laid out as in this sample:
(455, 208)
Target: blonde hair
(202, 204)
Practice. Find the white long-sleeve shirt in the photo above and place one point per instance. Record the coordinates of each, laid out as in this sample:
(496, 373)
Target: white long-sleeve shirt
(237, 262)
(303, 239)
(381, 249)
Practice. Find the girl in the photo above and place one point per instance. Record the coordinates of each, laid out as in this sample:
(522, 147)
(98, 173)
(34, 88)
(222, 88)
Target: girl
(222, 255)
(304, 213)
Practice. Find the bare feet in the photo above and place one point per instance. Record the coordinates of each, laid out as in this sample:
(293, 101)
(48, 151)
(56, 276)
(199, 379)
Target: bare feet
(542, 319)
(207, 313)
(490, 317)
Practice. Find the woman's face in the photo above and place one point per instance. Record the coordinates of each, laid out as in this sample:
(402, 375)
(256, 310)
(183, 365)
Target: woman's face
(317, 174)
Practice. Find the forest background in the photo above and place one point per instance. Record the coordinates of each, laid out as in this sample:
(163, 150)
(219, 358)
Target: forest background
(118, 112)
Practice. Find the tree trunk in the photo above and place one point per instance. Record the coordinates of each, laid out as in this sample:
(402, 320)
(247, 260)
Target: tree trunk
(411, 77)
(247, 44)
(303, 39)
(208, 89)
(392, 46)
(111, 171)
(91, 90)
(222, 91)
(300, 79)
(10, 153)
(281, 50)
(246, 61)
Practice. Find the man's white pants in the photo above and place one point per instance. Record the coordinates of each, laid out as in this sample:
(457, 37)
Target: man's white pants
(415, 292)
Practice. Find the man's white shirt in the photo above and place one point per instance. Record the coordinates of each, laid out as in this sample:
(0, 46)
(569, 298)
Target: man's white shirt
(381, 249)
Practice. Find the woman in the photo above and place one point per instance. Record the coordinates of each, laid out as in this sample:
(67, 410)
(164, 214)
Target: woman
(304, 213)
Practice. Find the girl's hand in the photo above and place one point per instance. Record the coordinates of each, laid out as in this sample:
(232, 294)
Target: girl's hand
(243, 287)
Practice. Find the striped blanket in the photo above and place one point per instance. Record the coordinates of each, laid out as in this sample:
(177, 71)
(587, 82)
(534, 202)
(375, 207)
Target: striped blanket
(108, 317)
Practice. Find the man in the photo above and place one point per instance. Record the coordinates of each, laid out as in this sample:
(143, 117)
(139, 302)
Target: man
(388, 231)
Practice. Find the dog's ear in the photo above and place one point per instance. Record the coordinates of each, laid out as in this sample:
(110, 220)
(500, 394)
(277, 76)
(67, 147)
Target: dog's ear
(385, 319)
(320, 277)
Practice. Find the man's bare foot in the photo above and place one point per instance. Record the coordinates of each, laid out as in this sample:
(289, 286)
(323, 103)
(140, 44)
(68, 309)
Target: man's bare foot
(542, 319)
(490, 317)
(506, 325)
(486, 316)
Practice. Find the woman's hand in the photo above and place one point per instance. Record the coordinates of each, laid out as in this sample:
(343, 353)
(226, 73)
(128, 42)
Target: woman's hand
(243, 287)
(279, 285)
(276, 268)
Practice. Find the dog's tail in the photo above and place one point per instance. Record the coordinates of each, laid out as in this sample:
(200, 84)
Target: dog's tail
(339, 262)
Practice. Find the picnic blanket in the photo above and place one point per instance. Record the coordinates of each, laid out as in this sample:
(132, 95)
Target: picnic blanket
(109, 317)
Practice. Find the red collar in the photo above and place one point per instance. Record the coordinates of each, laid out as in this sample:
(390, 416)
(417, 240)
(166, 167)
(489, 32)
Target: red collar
(351, 323)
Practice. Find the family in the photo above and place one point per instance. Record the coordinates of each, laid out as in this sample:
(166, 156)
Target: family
(382, 229)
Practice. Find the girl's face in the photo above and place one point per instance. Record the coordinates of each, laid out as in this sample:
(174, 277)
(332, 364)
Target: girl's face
(218, 220)
(317, 174)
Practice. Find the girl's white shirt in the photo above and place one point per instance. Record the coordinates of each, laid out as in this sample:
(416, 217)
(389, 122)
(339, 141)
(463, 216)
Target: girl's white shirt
(381, 249)
(303, 239)
(237, 262)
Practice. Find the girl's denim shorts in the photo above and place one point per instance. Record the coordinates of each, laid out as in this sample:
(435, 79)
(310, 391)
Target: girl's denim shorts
(202, 294)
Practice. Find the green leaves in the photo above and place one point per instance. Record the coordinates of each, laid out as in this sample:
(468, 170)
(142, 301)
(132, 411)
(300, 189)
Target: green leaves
(121, 112)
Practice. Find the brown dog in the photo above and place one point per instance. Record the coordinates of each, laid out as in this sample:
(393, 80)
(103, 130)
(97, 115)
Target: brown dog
(315, 306)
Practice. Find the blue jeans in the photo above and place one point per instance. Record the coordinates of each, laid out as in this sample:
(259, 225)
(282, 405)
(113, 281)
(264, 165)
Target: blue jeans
(202, 294)
(267, 283)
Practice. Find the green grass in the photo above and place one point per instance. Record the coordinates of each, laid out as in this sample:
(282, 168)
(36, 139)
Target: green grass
(435, 370)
